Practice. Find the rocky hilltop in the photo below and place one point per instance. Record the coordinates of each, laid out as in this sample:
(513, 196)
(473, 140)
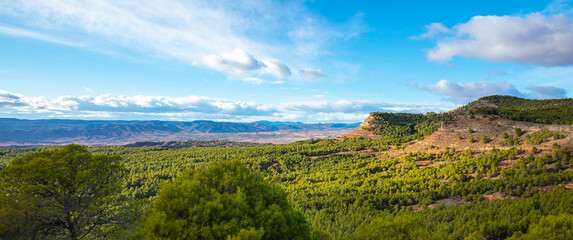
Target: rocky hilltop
(362, 130)
(486, 123)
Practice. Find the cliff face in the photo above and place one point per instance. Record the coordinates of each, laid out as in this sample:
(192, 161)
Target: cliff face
(370, 122)
(361, 131)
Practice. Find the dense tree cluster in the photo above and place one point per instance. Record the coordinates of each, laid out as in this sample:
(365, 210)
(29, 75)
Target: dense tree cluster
(182, 144)
(401, 125)
(542, 136)
(550, 111)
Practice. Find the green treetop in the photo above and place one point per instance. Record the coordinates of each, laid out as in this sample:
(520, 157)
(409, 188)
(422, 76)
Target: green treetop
(223, 201)
(63, 192)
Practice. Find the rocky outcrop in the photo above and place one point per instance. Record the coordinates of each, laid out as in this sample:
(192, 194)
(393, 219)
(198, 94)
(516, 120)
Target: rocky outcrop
(362, 130)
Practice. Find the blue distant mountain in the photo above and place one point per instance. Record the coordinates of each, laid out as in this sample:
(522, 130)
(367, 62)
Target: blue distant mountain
(56, 131)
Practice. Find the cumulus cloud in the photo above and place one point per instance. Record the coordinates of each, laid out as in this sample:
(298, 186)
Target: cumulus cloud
(275, 67)
(463, 93)
(531, 39)
(240, 61)
(193, 107)
(8, 99)
(309, 73)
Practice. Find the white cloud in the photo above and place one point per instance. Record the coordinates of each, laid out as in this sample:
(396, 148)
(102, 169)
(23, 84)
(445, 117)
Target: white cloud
(193, 32)
(88, 89)
(311, 36)
(275, 67)
(35, 35)
(309, 73)
(464, 93)
(531, 39)
(255, 80)
(239, 61)
(116, 106)
(433, 30)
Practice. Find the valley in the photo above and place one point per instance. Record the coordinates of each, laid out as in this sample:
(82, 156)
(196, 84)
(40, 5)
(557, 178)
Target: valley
(21, 133)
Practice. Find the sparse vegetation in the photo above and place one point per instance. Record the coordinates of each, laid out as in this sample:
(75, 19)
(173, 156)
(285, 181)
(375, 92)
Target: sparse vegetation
(485, 139)
(518, 132)
(557, 136)
(509, 141)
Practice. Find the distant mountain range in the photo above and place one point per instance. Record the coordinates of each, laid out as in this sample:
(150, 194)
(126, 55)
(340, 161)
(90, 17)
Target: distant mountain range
(19, 132)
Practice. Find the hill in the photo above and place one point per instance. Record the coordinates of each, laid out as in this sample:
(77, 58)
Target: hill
(18, 132)
(480, 125)
(398, 176)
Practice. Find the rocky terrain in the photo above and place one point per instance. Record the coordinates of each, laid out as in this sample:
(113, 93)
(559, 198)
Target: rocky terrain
(466, 130)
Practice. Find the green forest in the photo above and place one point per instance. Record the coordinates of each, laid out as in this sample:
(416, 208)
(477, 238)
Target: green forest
(342, 195)
(341, 188)
(550, 111)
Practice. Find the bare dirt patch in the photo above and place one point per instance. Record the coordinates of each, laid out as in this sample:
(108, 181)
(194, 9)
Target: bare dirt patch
(497, 196)
(506, 163)
(449, 202)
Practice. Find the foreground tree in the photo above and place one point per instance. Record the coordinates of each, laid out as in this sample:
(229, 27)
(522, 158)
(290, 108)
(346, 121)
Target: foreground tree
(67, 193)
(398, 228)
(223, 201)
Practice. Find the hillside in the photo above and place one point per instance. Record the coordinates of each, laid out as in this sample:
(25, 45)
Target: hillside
(480, 125)
(398, 176)
(18, 132)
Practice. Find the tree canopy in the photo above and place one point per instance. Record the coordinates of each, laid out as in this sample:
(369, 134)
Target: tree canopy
(550, 111)
(63, 192)
(223, 200)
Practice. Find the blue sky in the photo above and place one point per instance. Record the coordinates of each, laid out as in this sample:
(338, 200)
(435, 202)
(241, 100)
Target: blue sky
(309, 61)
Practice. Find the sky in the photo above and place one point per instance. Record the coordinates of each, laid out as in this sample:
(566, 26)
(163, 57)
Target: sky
(290, 61)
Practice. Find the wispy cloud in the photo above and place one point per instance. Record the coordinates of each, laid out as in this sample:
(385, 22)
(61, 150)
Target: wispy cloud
(496, 72)
(534, 38)
(18, 32)
(255, 80)
(271, 35)
(195, 107)
(433, 30)
(309, 73)
(88, 89)
(463, 93)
